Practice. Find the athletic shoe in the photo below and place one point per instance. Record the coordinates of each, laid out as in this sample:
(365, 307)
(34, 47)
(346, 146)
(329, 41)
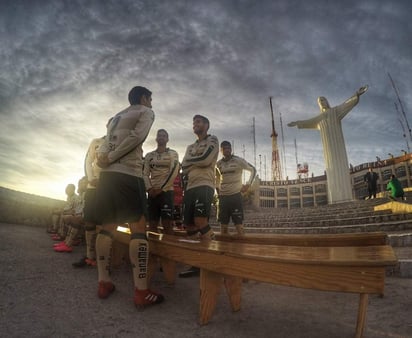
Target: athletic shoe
(191, 272)
(58, 244)
(146, 297)
(90, 262)
(105, 289)
(81, 263)
(63, 248)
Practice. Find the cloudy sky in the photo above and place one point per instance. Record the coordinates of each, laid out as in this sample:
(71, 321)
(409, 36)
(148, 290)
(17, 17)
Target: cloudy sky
(67, 66)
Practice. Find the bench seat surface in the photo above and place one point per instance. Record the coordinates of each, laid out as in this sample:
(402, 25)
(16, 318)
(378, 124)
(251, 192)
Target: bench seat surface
(347, 269)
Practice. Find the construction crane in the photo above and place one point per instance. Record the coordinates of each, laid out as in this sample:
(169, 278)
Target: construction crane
(276, 164)
(403, 129)
(401, 107)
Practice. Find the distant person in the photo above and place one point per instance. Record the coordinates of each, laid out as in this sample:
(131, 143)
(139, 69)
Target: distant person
(371, 179)
(230, 189)
(58, 227)
(74, 222)
(395, 188)
(161, 167)
(198, 169)
(121, 194)
(90, 213)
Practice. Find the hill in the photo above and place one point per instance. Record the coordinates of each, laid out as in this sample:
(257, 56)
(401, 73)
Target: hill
(22, 208)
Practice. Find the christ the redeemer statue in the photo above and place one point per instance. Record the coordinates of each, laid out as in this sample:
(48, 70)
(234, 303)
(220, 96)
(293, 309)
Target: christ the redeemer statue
(328, 122)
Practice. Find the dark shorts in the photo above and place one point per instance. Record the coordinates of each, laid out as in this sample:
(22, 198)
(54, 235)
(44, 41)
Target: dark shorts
(90, 214)
(161, 206)
(231, 207)
(121, 198)
(197, 202)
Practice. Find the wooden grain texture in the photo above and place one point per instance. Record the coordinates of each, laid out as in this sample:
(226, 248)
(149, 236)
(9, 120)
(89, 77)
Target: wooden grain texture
(351, 269)
(363, 305)
(350, 239)
(353, 263)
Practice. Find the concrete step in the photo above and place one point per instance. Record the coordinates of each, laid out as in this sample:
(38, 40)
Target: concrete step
(376, 218)
(400, 238)
(383, 216)
(404, 266)
(389, 227)
(291, 217)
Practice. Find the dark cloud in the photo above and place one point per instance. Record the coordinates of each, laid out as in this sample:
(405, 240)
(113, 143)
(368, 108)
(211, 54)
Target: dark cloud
(67, 67)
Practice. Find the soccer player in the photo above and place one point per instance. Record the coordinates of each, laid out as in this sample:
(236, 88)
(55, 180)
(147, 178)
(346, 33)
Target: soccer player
(230, 188)
(161, 167)
(121, 194)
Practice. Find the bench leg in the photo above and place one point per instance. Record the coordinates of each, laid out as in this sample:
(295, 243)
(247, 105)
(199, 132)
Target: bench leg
(152, 266)
(169, 270)
(168, 267)
(210, 284)
(363, 305)
(234, 288)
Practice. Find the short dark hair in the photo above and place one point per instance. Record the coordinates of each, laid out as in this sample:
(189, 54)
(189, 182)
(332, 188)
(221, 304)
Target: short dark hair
(225, 144)
(203, 118)
(164, 131)
(136, 94)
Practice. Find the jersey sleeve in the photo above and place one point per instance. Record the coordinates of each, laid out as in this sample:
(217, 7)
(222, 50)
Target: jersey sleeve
(174, 170)
(208, 156)
(248, 167)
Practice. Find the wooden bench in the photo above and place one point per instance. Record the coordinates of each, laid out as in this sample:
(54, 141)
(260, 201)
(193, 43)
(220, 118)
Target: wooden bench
(341, 268)
(343, 239)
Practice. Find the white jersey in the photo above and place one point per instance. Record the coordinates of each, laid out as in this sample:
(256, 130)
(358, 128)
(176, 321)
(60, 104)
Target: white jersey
(70, 204)
(126, 133)
(79, 204)
(199, 162)
(229, 174)
(90, 164)
(160, 169)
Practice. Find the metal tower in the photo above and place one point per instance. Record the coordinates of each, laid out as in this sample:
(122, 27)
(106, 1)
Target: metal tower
(276, 164)
(405, 119)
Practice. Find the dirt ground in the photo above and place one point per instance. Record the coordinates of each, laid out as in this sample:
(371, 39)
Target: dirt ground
(42, 295)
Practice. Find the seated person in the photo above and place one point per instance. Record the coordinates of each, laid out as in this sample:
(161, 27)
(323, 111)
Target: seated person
(74, 222)
(395, 188)
(58, 215)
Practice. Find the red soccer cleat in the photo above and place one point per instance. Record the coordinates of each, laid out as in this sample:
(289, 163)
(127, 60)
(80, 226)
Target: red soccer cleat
(63, 248)
(105, 289)
(146, 297)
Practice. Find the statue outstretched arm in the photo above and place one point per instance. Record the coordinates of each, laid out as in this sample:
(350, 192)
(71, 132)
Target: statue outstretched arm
(347, 106)
(308, 124)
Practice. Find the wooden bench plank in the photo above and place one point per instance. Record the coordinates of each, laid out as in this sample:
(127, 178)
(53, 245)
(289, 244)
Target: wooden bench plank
(360, 269)
(351, 239)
